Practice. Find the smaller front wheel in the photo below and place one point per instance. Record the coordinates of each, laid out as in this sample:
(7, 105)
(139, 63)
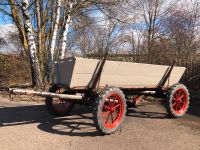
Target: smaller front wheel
(134, 101)
(178, 100)
(109, 110)
(56, 106)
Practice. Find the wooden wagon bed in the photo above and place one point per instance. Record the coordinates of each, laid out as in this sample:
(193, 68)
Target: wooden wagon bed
(76, 73)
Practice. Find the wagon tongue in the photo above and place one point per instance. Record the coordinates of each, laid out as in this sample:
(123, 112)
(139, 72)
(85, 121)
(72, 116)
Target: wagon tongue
(44, 94)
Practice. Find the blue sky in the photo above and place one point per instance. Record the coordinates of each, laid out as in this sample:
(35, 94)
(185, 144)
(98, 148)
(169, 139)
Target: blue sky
(4, 19)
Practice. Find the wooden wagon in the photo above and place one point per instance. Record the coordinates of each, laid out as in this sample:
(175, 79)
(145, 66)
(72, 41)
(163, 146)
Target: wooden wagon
(109, 86)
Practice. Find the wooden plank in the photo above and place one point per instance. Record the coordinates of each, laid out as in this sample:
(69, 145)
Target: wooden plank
(45, 94)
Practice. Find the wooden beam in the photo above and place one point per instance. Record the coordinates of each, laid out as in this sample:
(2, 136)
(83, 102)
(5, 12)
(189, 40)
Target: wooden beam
(44, 94)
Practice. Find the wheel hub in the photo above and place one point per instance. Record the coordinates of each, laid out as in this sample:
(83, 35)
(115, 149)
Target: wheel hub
(112, 110)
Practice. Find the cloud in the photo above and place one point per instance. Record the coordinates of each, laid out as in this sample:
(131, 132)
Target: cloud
(7, 33)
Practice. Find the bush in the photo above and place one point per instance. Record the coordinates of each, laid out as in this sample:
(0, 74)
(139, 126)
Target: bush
(14, 70)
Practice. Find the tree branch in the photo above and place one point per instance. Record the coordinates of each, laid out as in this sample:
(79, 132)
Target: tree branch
(5, 12)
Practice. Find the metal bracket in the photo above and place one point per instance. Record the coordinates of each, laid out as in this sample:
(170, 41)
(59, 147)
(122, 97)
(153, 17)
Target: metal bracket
(166, 75)
(97, 74)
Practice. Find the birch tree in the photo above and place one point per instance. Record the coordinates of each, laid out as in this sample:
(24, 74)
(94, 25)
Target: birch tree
(19, 24)
(53, 42)
(36, 74)
(41, 37)
(66, 28)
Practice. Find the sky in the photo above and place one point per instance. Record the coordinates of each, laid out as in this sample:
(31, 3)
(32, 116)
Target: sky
(96, 14)
(4, 19)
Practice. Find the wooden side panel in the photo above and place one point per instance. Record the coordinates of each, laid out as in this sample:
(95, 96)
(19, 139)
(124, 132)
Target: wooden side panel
(137, 74)
(64, 71)
(83, 71)
(115, 73)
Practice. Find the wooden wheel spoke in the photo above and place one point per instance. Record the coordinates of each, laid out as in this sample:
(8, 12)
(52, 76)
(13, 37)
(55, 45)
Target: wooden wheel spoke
(112, 117)
(175, 99)
(105, 113)
(181, 96)
(174, 104)
(179, 106)
(107, 118)
(116, 106)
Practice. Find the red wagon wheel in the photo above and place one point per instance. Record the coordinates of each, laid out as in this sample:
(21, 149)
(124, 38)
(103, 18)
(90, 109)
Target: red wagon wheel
(110, 110)
(134, 101)
(61, 105)
(57, 106)
(178, 103)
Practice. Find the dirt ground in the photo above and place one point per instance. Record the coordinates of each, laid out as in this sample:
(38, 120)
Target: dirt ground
(28, 126)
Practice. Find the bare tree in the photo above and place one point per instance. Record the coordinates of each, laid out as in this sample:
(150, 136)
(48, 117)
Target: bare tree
(53, 41)
(182, 30)
(36, 74)
(152, 13)
(19, 23)
(39, 24)
(66, 28)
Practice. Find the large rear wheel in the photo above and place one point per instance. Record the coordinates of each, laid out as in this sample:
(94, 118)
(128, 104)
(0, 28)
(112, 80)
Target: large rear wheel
(178, 100)
(57, 106)
(109, 110)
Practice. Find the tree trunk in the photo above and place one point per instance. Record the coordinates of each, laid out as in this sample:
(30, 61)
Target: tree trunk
(65, 31)
(53, 43)
(35, 69)
(18, 23)
(40, 50)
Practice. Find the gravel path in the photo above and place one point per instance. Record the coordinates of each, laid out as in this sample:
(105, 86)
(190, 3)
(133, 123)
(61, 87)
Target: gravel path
(28, 126)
